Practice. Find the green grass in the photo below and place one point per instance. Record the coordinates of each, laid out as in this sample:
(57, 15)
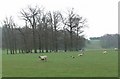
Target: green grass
(92, 64)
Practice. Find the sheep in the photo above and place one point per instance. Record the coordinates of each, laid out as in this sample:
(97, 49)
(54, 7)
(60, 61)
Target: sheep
(43, 58)
(81, 54)
(115, 49)
(105, 52)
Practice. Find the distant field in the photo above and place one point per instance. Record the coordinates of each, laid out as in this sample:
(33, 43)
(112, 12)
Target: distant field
(94, 44)
(92, 64)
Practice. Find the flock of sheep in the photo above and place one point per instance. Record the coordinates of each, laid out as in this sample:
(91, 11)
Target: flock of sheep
(44, 57)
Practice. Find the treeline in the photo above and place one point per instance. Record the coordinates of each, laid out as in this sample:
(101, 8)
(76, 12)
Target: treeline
(0, 38)
(108, 40)
(44, 32)
(94, 38)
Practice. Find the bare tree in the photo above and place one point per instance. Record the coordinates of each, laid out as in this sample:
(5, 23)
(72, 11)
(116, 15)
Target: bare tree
(65, 32)
(55, 19)
(73, 24)
(42, 31)
(80, 23)
(5, 40)
(11, 34)
(69, 21)
(52, 31)
(30, 16)
(24, 38)
(45, 29)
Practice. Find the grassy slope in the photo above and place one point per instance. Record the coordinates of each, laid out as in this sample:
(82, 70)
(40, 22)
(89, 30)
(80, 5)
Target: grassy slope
(92, 64)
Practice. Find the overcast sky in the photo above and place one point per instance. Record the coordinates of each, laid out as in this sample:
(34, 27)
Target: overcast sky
(102, 15)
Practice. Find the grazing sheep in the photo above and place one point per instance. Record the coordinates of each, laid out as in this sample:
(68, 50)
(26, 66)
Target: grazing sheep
(105, 52)
(43, 58)
(80, 54)
(115, 49)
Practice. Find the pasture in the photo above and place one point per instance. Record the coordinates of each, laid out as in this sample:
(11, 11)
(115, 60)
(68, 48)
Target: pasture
(92, 64)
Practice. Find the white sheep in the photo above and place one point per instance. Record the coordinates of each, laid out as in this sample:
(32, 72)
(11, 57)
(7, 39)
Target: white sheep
(80, 54)
(115, 49)
(43, 58)
(105, 52)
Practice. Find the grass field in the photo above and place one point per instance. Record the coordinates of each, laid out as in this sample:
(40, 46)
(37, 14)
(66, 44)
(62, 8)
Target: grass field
(92, 64)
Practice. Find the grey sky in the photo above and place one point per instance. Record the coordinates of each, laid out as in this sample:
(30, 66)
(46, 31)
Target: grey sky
(102, 15)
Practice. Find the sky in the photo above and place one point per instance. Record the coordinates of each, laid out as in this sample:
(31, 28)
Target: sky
(102, 15)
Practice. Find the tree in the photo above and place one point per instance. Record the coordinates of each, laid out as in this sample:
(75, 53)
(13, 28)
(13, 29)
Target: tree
(10, 34)
(44, 31)
(109, 41)
(40, 29)
(80, 23)
(55, 19)
(30, 16)
(74, 23)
